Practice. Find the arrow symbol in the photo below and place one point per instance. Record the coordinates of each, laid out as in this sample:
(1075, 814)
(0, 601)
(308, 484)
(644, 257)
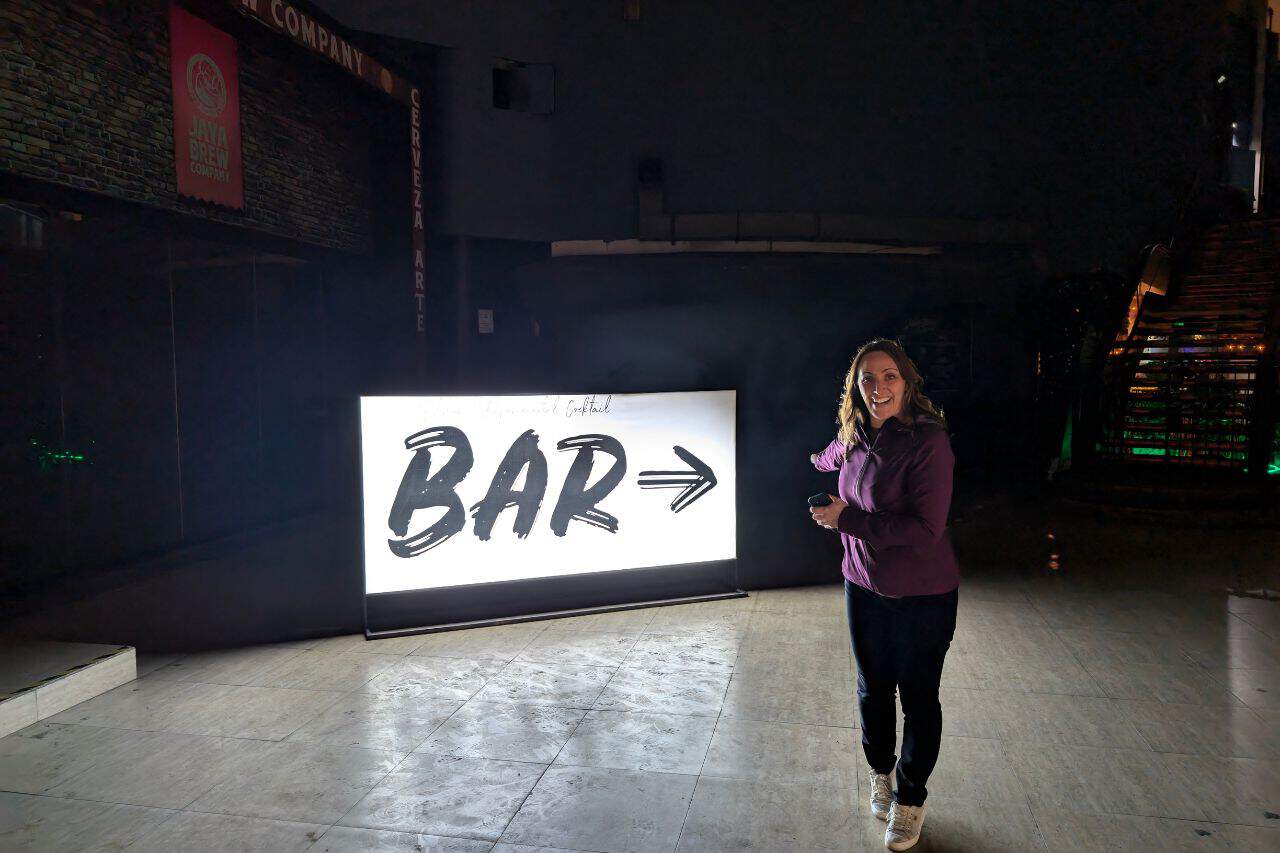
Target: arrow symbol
(693, 483)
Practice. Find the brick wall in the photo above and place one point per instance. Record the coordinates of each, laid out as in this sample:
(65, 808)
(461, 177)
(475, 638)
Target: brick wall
(85, 102)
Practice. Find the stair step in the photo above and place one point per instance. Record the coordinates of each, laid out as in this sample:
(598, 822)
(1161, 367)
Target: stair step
(1262, 222)
(1231, 269)
(1260, 277)
(1233, 248)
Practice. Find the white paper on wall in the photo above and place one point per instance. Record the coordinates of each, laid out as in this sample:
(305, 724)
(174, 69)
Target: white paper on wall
(666, 462)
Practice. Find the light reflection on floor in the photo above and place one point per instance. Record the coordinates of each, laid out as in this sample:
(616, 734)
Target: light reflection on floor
(1103, 691)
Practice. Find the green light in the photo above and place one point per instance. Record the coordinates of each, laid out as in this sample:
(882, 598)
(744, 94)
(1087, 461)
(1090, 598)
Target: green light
(1064, 453)
(1148, 451)
(47, 457)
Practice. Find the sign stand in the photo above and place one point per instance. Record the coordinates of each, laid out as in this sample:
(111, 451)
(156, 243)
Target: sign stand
(555, 614)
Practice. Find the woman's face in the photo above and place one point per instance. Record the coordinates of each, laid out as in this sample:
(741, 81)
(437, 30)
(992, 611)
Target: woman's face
(881, 386)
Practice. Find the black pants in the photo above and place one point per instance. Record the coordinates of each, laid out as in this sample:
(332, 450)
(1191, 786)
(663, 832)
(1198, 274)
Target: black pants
(901, 642)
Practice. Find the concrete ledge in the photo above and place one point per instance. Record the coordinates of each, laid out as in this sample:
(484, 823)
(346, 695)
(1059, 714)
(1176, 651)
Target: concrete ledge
(40, 679)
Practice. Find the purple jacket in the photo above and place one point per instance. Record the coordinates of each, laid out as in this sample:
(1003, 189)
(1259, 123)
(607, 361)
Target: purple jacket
(894, 530)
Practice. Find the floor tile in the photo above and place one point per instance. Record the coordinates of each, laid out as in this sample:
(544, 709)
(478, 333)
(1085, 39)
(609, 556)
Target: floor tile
(989, 671)
(528, 848)
(764, 815)
(1025, 644)
(784, 752)
(591, 808)
(830, 651)
(297, 781)
(155, 769)
(390, 645)
(1241, 646)
(1092, 646)
(1257, 688)
(143, 704)
(1183, 684)
(45, 755)
(500, 642)
(1198, 730)
(960, 824)
(1103, 781)
(228, 666)
(992, 615)
(799, 627)
(265, 713)
(712, 619)
(564, 684)
(1260, 614)
(506, 731)
(1074, 832)
(447, 795)
(149, 662)
(579, 647)
(41, 824)
(697, 692)
(1039, 717)
(1242, 790)
(821, 697)
(214, 833)
(970, 770)
(433, 678)
(631, 622)
(320, 670)
(348, 839)
(373, 721)
(826, 599)
(1138, 611)
(663, 743)
(684, 651)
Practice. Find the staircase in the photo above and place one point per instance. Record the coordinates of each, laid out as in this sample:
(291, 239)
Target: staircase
(1191, 386)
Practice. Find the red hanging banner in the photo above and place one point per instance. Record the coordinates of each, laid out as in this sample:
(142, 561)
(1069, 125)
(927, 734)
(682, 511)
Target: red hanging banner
(206, 110)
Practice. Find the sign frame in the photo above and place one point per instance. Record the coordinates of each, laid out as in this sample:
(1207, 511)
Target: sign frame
(450, 608)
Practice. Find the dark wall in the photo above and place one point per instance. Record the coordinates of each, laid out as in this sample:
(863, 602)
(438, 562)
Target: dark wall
(1088, 121)
(781, 332)
(193, 378)
(85, 88)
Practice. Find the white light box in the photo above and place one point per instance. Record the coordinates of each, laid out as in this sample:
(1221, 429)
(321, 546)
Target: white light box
(473, 490)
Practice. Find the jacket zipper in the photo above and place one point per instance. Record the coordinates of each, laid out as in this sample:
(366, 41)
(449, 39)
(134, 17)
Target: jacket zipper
(857, 480)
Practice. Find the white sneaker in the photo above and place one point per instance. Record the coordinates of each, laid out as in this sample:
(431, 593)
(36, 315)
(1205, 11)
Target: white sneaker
(881, 794)
(905, 823)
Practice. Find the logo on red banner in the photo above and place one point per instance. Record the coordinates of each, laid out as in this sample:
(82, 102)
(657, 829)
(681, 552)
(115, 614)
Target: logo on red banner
(206, 110)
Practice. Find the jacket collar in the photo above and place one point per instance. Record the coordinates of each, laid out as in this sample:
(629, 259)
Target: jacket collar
(894, 425)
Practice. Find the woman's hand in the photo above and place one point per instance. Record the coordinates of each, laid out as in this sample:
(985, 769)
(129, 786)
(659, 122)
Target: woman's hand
(828, 516)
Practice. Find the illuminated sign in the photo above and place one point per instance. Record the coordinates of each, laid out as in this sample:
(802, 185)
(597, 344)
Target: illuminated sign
(471, 490)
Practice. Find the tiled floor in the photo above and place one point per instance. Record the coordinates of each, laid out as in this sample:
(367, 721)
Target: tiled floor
(1112, 715)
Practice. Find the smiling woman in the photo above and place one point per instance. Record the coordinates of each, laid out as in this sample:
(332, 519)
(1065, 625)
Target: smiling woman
(901, 578)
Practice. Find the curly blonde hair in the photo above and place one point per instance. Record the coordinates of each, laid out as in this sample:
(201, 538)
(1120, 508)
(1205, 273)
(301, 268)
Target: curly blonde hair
(915, 404)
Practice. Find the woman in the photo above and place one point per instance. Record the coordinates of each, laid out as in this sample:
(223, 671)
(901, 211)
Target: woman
(901, 576)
